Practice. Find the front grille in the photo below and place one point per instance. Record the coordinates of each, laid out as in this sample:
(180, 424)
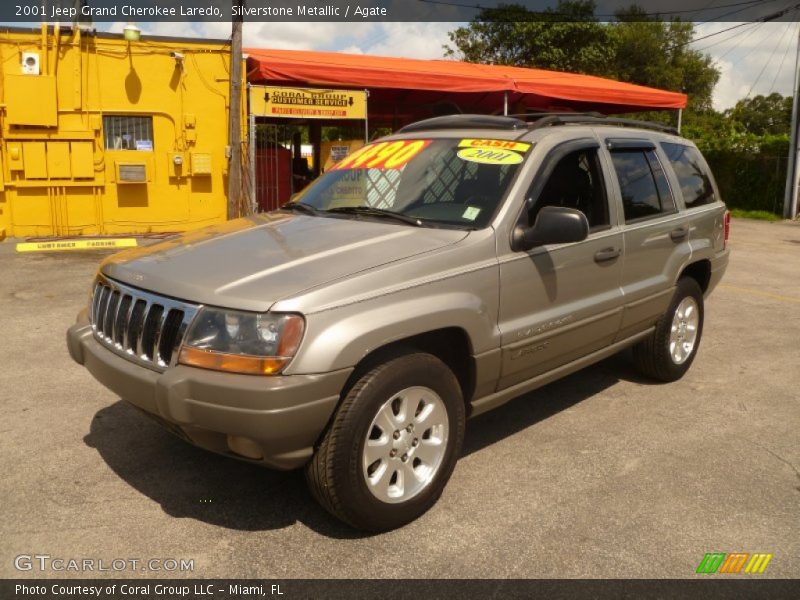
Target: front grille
(143, 327)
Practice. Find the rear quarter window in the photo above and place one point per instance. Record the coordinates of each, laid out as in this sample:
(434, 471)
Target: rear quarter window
(644, 187)
(692, 173)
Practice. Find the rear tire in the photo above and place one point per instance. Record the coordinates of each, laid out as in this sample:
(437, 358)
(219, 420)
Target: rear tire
(669, 352)
(392, 444)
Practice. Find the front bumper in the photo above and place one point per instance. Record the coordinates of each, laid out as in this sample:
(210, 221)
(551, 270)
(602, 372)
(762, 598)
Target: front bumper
(273, 420)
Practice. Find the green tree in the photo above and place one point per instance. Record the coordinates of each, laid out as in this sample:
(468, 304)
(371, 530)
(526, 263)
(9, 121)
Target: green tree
(656, 53)
(708, 128)
(568, 38)
(635, 48)
(763, 115)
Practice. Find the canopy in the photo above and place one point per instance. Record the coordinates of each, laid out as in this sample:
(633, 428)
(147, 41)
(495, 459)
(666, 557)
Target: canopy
(403, 89)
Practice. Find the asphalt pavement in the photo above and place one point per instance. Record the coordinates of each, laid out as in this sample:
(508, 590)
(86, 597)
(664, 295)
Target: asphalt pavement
(602, 474)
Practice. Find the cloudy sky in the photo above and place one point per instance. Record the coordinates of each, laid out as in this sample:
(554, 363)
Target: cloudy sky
(754, 58)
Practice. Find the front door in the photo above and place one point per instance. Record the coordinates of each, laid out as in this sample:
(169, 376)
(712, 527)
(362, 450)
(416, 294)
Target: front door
(561, 302)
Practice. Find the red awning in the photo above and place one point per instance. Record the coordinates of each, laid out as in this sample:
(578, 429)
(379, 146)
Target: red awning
(404, 88)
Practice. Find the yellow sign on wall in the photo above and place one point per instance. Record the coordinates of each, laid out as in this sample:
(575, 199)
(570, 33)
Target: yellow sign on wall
(307, 103)
(77, 244)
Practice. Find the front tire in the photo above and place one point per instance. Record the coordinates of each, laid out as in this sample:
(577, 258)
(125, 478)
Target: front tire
(669, 352)
(392, 444)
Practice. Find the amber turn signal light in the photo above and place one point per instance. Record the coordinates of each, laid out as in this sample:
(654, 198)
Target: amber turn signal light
(232, 363)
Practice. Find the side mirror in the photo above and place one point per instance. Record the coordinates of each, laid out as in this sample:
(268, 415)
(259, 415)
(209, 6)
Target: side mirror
(554, 225)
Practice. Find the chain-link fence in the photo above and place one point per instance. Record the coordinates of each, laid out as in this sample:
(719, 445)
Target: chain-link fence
(749, 180)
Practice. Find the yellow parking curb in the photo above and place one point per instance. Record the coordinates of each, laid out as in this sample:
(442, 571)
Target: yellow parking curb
(82, 244)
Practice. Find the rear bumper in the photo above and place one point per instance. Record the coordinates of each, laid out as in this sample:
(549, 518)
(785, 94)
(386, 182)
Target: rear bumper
(719, 263)
(272, 420)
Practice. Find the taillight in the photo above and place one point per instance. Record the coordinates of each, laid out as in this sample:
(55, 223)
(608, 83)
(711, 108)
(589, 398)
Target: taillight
(726, 227)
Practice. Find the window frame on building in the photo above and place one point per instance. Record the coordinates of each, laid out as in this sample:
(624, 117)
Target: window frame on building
(139, 128)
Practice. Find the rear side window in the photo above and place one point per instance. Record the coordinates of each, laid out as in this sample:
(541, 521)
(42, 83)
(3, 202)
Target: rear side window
(692, 174)
(645, 191)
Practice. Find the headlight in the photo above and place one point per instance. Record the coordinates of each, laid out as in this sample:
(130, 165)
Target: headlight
(242, 342)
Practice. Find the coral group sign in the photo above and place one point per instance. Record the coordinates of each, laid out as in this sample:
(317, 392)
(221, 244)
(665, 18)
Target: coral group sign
(307, 103)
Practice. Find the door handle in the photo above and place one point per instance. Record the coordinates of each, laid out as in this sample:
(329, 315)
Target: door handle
(606, 254)
(679, 233)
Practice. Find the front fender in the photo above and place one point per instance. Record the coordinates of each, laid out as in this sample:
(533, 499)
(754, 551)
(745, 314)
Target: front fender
(342, 337)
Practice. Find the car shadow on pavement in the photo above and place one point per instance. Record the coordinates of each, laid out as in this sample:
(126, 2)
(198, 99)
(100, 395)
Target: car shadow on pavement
(531, 408)
(189, 482)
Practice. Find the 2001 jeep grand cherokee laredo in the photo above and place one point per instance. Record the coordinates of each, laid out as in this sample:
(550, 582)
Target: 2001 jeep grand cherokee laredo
(431, 276)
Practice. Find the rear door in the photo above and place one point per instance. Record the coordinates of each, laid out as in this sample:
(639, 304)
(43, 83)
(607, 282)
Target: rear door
(700, 195)
(560, 302)
(655, 232)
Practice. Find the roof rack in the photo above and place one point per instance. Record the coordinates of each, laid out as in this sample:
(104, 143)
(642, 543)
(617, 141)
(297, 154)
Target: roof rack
(550, 119)
(531, 120)
(466, 122)
(540, 114)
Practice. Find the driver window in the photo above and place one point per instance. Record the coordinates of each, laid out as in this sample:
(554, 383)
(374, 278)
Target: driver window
(576, 182)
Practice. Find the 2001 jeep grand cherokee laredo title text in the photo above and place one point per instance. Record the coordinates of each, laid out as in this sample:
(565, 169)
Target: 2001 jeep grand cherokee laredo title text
(431, 276)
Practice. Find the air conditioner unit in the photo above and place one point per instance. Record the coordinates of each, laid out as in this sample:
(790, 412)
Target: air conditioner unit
(131, 173)
(30, 63)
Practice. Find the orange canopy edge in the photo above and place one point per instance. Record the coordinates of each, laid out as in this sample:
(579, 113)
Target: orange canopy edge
(405, 88)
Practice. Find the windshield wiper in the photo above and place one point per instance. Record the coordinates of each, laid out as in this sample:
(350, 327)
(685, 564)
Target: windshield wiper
(376, 212)
(301, 207)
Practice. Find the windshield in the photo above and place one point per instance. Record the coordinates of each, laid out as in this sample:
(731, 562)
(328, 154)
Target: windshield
(457, 182)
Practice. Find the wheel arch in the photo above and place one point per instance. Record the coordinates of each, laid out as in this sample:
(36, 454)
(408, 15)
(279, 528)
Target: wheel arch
(451, 345)
(700, 271)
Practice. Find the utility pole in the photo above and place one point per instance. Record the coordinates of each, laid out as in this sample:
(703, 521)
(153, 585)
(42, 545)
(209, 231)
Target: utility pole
(235, 116)
(792, 166)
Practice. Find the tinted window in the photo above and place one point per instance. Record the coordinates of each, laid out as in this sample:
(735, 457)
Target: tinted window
(645, 191)
(576, 182)
(692, 174)
(662, 185)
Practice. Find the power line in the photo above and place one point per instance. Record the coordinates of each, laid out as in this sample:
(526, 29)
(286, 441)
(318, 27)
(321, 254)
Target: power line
(769, 59)
(731, 37)
(780, 66)
(770, 17)
(749, 3)
(733, 12)
(747, 34)
(751, 50)
(692, 41)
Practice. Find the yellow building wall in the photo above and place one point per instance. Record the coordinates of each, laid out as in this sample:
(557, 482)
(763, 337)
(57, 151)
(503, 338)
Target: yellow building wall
(58, 178)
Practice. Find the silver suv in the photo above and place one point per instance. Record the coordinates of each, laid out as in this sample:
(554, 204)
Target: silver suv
(429, 277)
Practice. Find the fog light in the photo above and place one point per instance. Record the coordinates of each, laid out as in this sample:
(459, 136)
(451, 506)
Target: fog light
(245, 447)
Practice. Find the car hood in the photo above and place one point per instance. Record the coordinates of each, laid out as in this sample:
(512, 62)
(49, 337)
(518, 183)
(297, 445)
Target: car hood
(253, 262)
